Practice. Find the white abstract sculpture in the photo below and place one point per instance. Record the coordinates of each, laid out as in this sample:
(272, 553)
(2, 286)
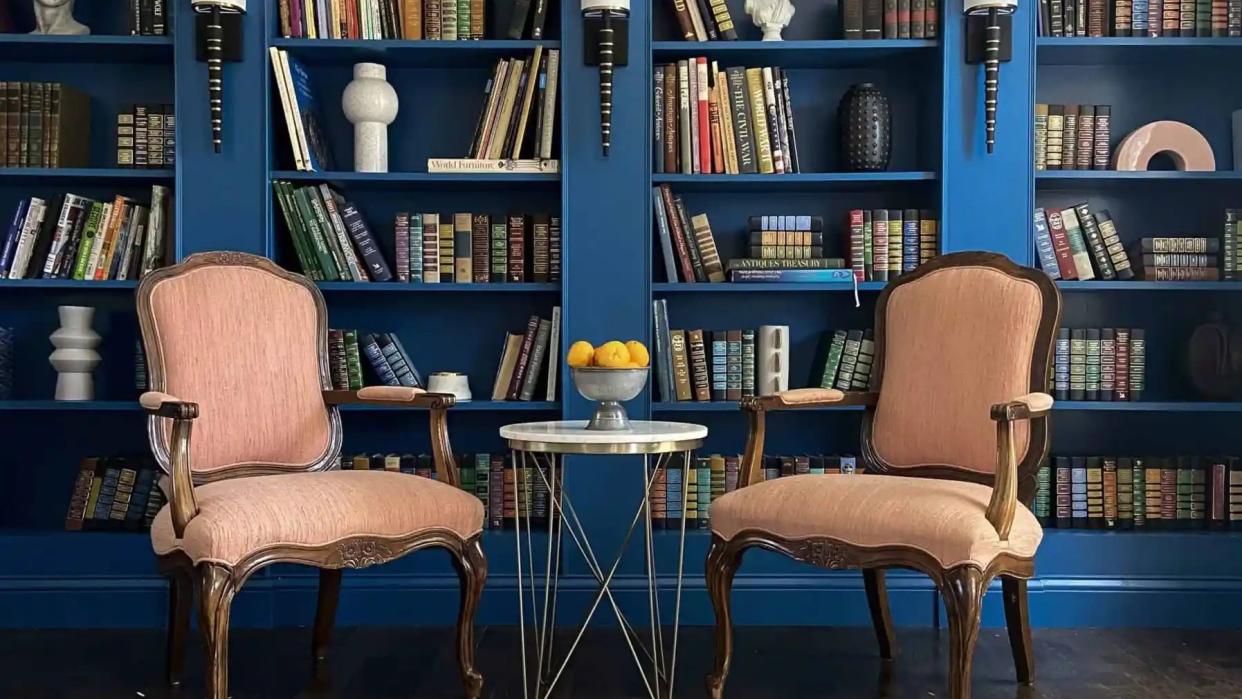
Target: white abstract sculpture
(75, 357)
(772, 359)
(771, 16)
(370, 104)
(56, 17)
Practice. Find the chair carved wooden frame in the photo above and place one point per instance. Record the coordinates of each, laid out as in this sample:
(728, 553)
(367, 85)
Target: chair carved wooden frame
(169, 428)
(1012, 481)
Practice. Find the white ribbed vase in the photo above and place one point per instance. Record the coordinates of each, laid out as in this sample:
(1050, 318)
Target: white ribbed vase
(75, 357)
(370, 104)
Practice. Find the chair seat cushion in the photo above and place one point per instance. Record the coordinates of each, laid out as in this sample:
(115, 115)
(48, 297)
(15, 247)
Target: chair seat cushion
(241, 516)
(942, 518)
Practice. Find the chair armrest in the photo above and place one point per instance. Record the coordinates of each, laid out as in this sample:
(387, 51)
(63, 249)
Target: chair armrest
(798, 398)
(164, 405)
(1023, 407)
(1004, 502)
(756, 408)
(391, 395)
(403, 396)
(182, 504)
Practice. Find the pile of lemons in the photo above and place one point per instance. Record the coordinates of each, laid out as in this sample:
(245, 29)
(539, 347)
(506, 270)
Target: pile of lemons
(610, 355)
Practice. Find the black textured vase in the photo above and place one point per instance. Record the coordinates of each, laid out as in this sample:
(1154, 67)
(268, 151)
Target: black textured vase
(865, 124)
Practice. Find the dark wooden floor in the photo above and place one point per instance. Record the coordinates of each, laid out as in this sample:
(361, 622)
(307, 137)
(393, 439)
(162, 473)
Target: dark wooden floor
(772, 663)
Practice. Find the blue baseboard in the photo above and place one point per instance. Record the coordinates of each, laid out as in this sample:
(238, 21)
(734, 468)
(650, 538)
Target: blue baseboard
(811, 600)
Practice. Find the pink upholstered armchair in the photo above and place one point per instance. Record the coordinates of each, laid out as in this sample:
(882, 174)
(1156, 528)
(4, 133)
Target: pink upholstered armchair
(237, 350)
(955, 427)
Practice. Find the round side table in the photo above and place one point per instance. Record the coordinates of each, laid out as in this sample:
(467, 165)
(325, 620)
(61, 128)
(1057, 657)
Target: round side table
(544, 445)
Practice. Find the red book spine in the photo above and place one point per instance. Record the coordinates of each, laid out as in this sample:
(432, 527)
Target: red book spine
(705, 126)
(857, 260)
(1061, 246)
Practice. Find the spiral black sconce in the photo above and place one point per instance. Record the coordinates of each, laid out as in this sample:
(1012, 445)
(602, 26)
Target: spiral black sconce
(217, 27)
(606, 33)
(989, 32)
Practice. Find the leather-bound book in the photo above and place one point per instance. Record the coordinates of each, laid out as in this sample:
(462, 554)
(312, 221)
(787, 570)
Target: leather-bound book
(1069, 138)
(523, 359)
(683, 384)
(499, 253)
(1091, 378)
(431, 248)
(724, 20)
(1078, 491)
(849, 360)
(699, 372)
(718, 359)
(852, 18)
(1108, 364)
(517, 247)
(539, 247)
(684, 22)
(1108, 471)
(538, 355)
(890, 19)
(448, 252)
(1217, 477)
(733, 388)
(1095, 242)
(480, 248)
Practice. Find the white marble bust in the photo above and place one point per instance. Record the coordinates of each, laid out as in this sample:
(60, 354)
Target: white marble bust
(56, 17)
(771, 16)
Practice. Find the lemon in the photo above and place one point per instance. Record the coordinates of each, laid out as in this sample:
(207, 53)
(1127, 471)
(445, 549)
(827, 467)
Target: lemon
(638, 353)
(580, 354)
(613, 355)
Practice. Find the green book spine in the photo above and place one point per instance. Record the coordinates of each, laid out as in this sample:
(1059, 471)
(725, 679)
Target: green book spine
(88, 241)
(315, 234)
(324, 226)
(299, 245)
(353, 360)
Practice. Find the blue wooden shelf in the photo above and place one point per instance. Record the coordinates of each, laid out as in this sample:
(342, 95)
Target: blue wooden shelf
(1134, 50)
(471, 406)
(424, 180)
(728, 406)
(1148, 286)
(410, 54)
(750, 287)
(93, 48)
(75, 284)
(452, 288)
(25, 174)
(1150, 406)
(1115, 179)
(70, 405)
(807, 181)
(798, 54)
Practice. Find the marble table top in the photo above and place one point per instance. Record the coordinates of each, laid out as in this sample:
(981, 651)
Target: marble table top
(570, 433)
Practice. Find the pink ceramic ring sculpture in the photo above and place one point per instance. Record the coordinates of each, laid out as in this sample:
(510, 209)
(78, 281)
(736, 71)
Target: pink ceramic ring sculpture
(1188, 148)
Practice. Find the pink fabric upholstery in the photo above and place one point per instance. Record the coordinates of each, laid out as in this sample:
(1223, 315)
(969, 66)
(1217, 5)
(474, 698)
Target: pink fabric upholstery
(943, 518)
(956, 342)
(243, 344)
(241, 516)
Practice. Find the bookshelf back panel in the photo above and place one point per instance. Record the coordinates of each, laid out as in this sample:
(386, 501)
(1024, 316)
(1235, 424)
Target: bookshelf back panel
(1144, 210)
(1146, 434)
(39, 473)
(788, 433)
(447, 332)
(102, 16)
(32, 315)
(912, 95)
(808, 316)
(436, 116)
(730, 215)
(405, 431)
(380, 207)
(110, 87)
(1141, 93)
(813, 19)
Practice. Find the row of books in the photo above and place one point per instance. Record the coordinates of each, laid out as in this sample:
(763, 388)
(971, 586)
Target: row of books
(1231, 242)
(410, 20)
(686, 242)
(74, 237)
(1152, 492)
(146, 136)
(389, 363)
(890, 19)
(148, 17)
(330, 236)
(1104, 364)
(530, 359)
(887, 243)
(114, 494)
(843, 360)
(468, 248)
(1081, 243)
(518, 117)
(44, 125)
(734, 121)
(489, 476)
(1073, 136)
(704, 20)
(698, 365)
(1149, 18)
(700, 484)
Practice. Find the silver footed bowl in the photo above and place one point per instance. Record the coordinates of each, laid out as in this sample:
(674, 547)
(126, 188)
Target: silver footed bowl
(608, 388)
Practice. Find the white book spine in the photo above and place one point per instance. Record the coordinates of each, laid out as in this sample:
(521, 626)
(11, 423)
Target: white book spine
(554, 353)
(105, 223)
(26, 239)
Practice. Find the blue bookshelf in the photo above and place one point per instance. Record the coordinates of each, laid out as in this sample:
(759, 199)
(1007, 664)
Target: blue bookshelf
(612, 274)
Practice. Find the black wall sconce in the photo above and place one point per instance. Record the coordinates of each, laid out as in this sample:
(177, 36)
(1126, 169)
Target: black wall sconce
(989, 40)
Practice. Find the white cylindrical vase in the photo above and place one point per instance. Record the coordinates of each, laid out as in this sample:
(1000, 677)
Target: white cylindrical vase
(772, 357)
(370, 104)
(75, 357)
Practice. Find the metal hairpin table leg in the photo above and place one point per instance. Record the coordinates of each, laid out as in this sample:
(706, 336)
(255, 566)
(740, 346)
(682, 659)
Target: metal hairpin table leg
(517, 524)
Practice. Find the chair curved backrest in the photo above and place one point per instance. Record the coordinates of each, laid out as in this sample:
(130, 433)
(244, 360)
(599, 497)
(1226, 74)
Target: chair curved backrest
(961, 333)
(247, 342)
